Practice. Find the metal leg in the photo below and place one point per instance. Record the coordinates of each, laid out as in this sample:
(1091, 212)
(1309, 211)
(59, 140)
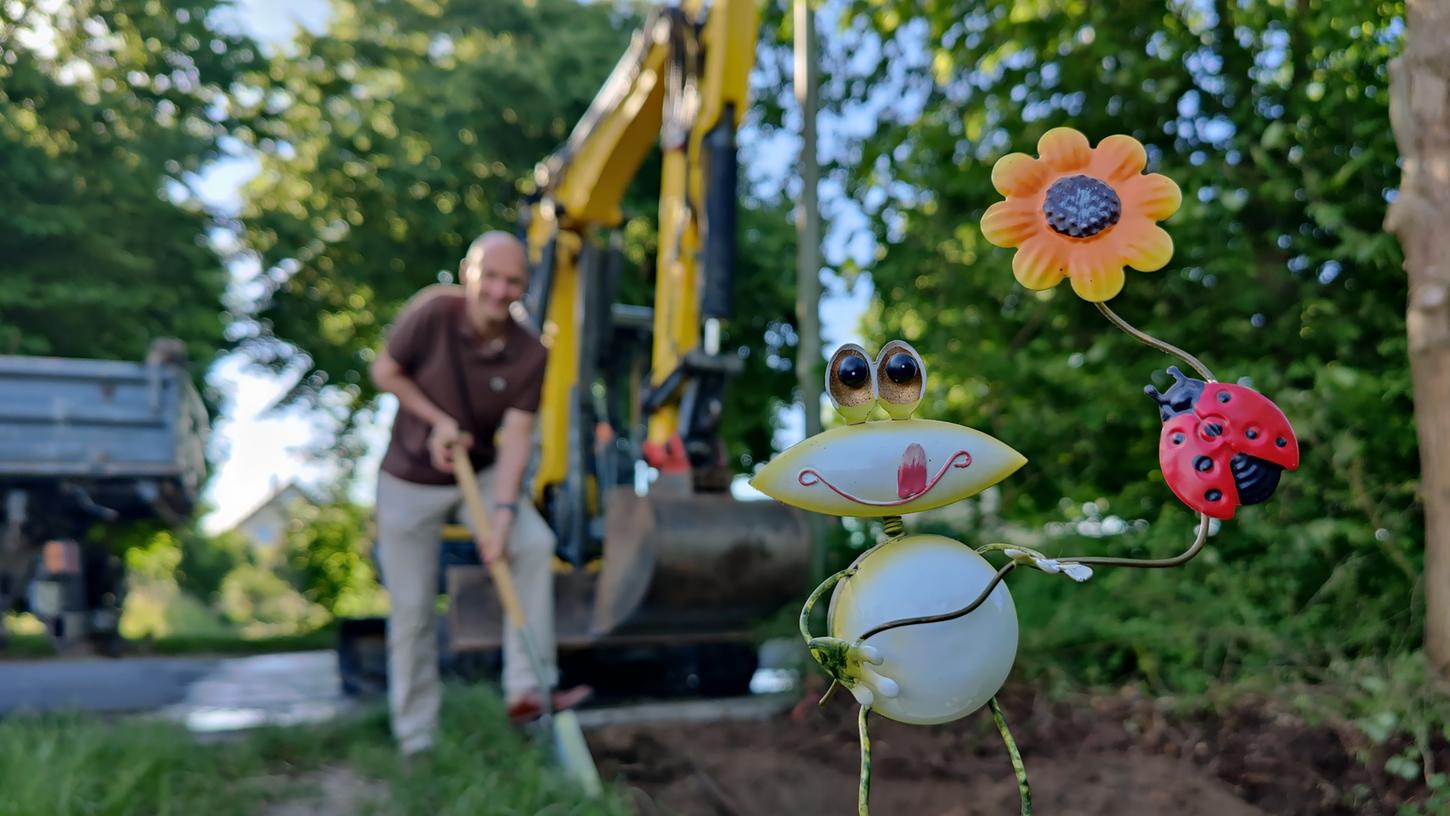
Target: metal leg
(1024, 793)
(863, 792)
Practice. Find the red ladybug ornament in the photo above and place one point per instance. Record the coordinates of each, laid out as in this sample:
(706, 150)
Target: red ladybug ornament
(1223, 445)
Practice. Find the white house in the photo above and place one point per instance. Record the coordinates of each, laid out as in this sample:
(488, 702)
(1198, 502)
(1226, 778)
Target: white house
(266, 525)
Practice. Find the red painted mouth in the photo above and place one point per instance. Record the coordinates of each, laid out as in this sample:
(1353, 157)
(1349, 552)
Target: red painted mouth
(911, 475)
(911, 481)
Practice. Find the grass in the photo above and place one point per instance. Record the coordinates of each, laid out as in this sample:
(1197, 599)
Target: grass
(322, 638)
(74, 764)
(39, 645)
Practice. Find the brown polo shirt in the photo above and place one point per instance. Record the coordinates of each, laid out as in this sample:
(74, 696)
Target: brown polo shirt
(510, 377)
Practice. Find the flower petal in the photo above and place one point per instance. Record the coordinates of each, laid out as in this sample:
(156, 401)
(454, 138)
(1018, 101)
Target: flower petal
(1039, 263)
(1018, 174)
(1117, 158)
(1064, 149)
(1096, 271)
(1145, 246)
(1009, 223)
(1153, 196)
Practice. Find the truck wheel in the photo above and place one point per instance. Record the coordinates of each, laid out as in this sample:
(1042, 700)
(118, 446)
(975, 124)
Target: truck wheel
(362, 656)
(107, 644)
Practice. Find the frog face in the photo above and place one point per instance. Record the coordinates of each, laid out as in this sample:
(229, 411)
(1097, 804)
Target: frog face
(890, 467)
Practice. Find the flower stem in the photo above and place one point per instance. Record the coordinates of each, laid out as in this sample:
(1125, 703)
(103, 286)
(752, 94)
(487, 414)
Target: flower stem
(1149, 340)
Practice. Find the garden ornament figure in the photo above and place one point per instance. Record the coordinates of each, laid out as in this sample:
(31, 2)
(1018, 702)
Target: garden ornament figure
(941, 625)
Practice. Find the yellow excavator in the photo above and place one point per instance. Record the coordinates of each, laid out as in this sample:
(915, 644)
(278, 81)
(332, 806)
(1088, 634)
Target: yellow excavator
(655, 556)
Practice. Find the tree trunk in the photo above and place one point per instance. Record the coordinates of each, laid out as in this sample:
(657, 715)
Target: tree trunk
(808, 255)
(1420, 115)
(808, 223)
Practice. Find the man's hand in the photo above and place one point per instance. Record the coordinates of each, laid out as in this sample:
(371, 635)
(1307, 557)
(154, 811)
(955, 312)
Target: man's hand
(493, 544)
(440, 443)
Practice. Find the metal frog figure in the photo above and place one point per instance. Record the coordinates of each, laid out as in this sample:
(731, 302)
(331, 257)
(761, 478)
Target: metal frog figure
(941, 625)
(914, 674)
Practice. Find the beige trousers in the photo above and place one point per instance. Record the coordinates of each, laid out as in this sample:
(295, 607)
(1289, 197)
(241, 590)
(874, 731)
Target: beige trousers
(410, 525)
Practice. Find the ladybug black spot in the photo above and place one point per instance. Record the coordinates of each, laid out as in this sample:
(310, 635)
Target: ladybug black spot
(1223, 396)
(1203, 464)
(1281, 442)
(1213, 495)
(1178, 439)
(1252, 433)
(1213, 429)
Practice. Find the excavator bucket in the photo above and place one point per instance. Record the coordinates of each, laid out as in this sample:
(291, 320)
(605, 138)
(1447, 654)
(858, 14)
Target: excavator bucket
(676, 569)
(696, 563)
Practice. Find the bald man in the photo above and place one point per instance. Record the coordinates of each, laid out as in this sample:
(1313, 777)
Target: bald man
(462, 369)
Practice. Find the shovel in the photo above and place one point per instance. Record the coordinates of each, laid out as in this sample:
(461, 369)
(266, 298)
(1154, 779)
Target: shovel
(569, 748)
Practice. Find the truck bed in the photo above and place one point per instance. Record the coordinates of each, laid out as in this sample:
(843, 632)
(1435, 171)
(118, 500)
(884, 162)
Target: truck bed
(121, 430)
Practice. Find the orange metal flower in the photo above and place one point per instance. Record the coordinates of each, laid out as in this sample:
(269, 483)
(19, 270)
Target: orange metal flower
(1081, 212)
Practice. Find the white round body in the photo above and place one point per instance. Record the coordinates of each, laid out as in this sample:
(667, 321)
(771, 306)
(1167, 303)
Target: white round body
(946, 670)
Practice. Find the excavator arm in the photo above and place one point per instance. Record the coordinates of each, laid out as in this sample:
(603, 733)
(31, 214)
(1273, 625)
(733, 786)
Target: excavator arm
(682, 87)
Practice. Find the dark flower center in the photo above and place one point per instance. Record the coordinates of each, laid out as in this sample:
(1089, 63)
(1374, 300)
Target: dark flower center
(1081, 206)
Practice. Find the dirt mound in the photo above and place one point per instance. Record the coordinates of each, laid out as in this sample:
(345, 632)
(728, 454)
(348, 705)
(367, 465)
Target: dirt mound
(1089, 757)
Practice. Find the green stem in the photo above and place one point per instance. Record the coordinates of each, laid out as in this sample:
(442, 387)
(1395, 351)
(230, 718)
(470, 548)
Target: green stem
(1149, 340)
(1018, 767)
(986, 548)
(863, 793)
(816, 596)
(1150, 563)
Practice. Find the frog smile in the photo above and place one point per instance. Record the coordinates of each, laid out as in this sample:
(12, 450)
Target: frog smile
(911, 481)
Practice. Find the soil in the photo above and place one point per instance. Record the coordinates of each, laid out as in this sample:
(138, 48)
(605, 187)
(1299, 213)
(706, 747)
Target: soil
(1092, 756)
(337, 791)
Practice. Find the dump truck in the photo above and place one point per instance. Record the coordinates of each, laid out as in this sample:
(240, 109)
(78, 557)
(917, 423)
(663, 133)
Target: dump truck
(84, 444)
(661, 573)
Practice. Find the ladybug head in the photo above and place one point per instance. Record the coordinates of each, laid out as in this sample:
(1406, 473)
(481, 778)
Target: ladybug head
(1179, 398)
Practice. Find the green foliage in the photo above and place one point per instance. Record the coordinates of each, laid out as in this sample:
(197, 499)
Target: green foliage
(106, 107)
(206, 561)
(328, 559)
(260, 602)
(195, 561)
(1272, 118)
(400, 134)
(408, 129)
(1401, 714)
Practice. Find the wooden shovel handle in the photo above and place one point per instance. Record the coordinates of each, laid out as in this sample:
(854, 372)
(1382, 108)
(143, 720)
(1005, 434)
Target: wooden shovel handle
(499, 568)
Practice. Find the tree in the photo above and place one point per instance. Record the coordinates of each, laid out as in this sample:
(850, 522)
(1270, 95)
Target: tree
(107, 108)
(327, 556)
(406, 130)
(1420, 113)
(1273, 119)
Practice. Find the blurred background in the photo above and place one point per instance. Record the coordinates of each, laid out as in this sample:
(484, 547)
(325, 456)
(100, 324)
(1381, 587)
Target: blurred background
(265, 183)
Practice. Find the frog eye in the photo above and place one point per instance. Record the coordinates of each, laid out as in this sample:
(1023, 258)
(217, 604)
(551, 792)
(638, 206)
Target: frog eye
(900, 379)
(851, 383)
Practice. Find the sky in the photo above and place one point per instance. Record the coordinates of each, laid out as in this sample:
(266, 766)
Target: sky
(259, 449)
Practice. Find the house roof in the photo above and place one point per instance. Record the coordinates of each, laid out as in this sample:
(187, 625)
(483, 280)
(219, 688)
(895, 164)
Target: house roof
(280, 498)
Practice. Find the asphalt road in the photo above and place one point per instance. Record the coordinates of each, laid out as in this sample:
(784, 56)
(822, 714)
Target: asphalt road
(98, 684)
(220, 695)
